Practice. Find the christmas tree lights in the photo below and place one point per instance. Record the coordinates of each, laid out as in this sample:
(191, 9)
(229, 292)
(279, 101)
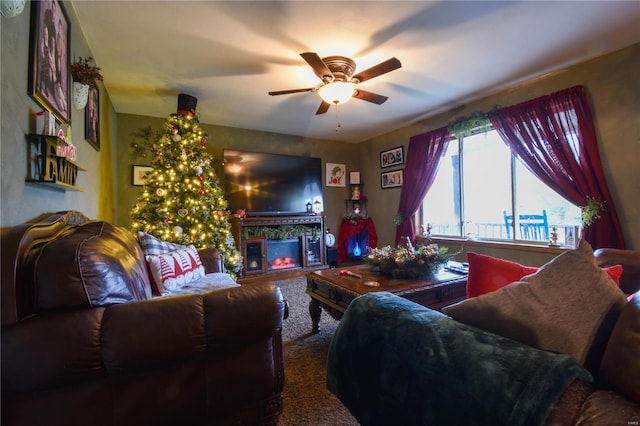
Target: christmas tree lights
(181, 201)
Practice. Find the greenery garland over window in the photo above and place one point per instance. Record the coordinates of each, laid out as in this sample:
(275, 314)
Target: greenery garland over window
(469, 125)
(281, 232)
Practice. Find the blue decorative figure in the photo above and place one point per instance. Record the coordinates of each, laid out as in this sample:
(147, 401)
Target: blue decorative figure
(356, 250)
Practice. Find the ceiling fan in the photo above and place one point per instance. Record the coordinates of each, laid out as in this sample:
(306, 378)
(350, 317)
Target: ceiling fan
(339, 83)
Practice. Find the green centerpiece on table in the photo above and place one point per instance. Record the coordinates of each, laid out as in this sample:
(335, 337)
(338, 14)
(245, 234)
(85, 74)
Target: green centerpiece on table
(407, 262)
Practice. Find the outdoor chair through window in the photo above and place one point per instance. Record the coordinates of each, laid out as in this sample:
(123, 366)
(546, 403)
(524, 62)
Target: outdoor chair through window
(533, 227)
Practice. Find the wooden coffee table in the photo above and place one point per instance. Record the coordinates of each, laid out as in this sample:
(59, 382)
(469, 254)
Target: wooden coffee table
(334, 292)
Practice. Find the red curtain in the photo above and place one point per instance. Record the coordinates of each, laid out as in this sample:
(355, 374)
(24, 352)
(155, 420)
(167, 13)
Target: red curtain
(423, 161)
(555, 138)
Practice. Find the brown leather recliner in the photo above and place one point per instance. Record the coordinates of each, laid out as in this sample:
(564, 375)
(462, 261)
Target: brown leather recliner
(83, 342)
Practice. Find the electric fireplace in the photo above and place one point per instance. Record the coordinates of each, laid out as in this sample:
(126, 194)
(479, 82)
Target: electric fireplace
(283, 254)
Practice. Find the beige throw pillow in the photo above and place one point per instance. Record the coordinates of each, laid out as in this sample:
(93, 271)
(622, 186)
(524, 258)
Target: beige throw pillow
(569, 306)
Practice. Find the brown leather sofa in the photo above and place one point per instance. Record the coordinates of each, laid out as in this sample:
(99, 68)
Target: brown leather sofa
(83, 341)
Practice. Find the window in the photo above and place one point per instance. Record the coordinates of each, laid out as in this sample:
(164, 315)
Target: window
(480, 188)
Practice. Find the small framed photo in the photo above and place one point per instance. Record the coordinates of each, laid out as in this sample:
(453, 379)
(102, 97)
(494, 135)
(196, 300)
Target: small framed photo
(49, 72)
(140, 174)
(92, 119)
(571, 236)
(336, 174)
(392, 157)
(392, 179)
(355, 192)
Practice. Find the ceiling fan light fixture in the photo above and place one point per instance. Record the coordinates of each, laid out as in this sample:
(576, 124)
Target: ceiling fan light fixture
(337, 92)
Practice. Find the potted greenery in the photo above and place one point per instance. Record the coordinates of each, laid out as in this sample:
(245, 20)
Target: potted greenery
(85, 76)
(591, 211)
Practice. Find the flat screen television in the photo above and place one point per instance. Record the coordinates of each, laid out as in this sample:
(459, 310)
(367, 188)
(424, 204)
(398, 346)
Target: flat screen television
(266, 184)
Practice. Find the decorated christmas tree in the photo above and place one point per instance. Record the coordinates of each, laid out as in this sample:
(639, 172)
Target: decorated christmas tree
(181, 201)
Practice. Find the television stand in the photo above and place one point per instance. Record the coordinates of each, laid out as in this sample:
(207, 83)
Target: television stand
(272, 245)
(277, 214)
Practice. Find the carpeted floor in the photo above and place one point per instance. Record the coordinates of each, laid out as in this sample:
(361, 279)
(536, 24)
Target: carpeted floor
(306, 398)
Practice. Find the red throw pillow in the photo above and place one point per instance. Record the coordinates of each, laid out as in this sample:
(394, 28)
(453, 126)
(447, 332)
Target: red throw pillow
(487, 274)
(615, 272)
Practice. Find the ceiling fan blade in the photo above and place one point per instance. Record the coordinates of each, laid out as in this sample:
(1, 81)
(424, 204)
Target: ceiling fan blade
(370, 97)
(318, 65)
(287, 92)
(376, 70)
(324, 107)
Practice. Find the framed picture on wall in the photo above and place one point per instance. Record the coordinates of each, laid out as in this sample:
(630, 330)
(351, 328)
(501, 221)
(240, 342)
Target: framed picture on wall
(336, 174)
(92, 119)
(392, 157)
(49, 82)
(140, 174)
(392, 179)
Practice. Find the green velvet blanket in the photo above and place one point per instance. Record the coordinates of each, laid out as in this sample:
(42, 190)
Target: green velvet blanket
(395, 362)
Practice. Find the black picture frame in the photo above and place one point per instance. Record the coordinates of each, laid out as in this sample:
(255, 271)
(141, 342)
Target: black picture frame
(393, 179)
(49, 68)
(92, 119)
(392, 157)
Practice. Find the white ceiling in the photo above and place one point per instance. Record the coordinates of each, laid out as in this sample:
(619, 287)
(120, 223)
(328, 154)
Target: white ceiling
(229, 54)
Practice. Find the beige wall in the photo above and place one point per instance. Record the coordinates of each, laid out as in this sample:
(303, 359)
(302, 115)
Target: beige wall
(613, 84)
(221, 138)
(20, 201)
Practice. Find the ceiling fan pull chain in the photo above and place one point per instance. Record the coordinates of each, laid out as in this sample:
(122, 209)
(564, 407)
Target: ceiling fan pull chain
(337, 119)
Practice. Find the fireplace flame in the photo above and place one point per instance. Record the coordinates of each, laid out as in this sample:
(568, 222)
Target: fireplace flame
(283, 263)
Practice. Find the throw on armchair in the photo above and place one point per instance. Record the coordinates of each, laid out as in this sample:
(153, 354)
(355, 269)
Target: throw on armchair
(395, 362)
(559, 347)
(83, 341)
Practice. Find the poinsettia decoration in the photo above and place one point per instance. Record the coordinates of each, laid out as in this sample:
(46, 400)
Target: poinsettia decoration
(82, 71)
